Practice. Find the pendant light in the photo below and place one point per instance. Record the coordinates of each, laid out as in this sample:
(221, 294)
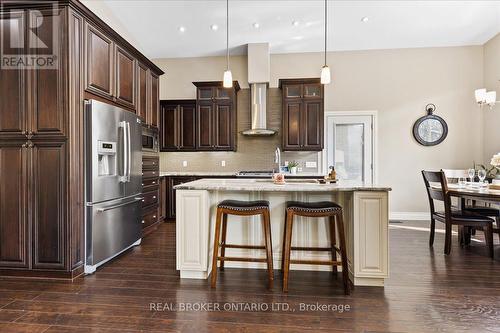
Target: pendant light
(228, 76)
(325, 71)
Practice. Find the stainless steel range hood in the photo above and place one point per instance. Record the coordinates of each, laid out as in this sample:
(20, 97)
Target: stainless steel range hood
(258, 78)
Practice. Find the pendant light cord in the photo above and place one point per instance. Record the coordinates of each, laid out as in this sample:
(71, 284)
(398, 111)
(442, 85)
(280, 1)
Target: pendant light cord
(227, 34)
(326, 25)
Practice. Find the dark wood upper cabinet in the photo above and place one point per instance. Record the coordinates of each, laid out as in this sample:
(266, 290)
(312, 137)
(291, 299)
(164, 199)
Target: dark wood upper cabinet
(12, 81)
(13, 215)
(178, 125)
(98, 62)
(303, 114)
(142, 92)
(154, 98)
(204, 125)
(125, 78)
(216, 121)
(46, 109)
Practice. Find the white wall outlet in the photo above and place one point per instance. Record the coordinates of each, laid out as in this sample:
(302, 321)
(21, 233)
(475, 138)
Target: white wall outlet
(223, 163)
(311, 164)
(299, 169)
(184, 163)
(286, 163)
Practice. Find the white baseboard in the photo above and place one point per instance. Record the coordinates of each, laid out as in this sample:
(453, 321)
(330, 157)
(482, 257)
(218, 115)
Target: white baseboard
(410, 216)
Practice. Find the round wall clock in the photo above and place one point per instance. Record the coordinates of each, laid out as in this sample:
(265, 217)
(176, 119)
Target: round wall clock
(430, 130)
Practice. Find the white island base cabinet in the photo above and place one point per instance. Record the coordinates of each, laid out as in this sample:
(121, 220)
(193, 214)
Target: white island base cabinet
(365, 218)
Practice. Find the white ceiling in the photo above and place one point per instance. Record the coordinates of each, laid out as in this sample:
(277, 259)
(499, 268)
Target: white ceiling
(392, 24)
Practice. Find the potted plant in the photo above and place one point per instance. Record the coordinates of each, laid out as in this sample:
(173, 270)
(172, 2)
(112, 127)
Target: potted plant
(292, 167)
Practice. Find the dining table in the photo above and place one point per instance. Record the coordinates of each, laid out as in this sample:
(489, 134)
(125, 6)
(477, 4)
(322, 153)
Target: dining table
(475, 193)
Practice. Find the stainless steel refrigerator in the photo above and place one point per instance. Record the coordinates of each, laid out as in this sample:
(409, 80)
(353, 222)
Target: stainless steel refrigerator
(113, 152)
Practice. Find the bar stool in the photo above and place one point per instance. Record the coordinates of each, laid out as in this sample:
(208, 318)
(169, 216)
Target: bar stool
(242, 208)
(316, 209)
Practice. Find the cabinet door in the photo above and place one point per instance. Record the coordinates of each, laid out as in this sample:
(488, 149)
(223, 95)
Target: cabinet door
(98, 63)
(14, 241)
(142, 93)
(125, 78)
(162, 199)
(187, 127)
(223, 130)
(204, 127)
(223, 94)
(293, 91)
(48, 197)
(174, 181)
(47, 94)
(168, 127)
(312, 125)
(292, 111)
(12, 81)
(154, 99)
(205, 93)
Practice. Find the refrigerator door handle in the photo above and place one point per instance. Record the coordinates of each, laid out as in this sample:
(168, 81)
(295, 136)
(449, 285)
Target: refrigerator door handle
(125, 152)
(101, 210)
(129, 145)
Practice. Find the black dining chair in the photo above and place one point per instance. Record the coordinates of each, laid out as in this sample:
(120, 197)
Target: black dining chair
(450, 216)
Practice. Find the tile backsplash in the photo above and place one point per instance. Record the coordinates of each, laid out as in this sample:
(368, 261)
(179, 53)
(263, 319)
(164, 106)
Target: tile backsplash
(253, 153)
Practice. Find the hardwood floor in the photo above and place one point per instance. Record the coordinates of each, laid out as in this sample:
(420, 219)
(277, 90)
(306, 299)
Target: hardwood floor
(427, 292)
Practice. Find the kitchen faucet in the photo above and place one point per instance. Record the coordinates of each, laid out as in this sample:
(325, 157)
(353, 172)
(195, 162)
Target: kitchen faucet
(277, 158)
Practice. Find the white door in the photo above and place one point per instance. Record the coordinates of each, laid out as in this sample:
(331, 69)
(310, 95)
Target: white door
(350, 146)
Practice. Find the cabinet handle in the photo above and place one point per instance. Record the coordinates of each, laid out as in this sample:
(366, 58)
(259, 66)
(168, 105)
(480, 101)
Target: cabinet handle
(154, 183)
(154, 216)
(142, 200)
(142, 221)
(154, 196)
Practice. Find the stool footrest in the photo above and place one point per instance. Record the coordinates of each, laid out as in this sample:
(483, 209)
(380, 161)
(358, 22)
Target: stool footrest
(242, 259)
(301, 248)
(316, 262)
(234, 246)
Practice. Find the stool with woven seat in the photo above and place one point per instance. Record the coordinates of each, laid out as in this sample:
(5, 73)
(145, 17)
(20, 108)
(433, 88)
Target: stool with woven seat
(316, 209)
(241, 208)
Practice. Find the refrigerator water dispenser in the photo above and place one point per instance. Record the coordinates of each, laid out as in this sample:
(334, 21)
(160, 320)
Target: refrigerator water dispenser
(106, 157)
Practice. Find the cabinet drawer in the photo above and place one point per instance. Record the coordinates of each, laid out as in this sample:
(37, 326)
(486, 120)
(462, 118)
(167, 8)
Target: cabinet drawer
(150, 174)
(150, 198)
(150, 217)
(150, 163)
(149, 184)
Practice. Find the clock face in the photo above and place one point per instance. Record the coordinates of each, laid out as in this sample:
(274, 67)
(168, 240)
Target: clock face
(430, 130)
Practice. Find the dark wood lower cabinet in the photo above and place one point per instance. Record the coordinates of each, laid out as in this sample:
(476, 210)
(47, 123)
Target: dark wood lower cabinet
(14, 243)
(151, 193)
(48, 213)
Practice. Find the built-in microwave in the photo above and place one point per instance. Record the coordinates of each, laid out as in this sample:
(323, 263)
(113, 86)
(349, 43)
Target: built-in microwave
(149, 139)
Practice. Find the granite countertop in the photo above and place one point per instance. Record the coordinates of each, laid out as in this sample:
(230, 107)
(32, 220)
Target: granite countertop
(228, 173)
(265, 185)
(196, 173)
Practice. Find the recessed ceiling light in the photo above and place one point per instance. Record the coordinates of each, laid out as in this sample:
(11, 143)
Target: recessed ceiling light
(256, 25)
(298, 37)
(182, 29)
(214, 27)
(365, 19)
(295, 23)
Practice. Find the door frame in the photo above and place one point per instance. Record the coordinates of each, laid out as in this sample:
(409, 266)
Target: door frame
(374, 116)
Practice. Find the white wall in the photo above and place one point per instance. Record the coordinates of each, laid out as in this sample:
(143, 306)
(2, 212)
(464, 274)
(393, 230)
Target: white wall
(397, 83)
(492, 82)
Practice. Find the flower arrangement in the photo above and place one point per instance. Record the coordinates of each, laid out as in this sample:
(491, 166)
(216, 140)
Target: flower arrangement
(494, 170)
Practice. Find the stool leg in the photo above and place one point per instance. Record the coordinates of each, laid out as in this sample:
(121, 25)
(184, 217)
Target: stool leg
(343, 254)
(288, 246)
(333, 242)
(269, 247)
(223, 242)
(283, 247)
(216, 246)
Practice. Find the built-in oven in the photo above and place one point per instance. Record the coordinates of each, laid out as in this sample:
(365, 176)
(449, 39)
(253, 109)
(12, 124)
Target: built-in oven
(149, 139)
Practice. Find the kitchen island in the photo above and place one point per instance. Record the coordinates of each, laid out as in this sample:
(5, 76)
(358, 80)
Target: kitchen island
(366, 222)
